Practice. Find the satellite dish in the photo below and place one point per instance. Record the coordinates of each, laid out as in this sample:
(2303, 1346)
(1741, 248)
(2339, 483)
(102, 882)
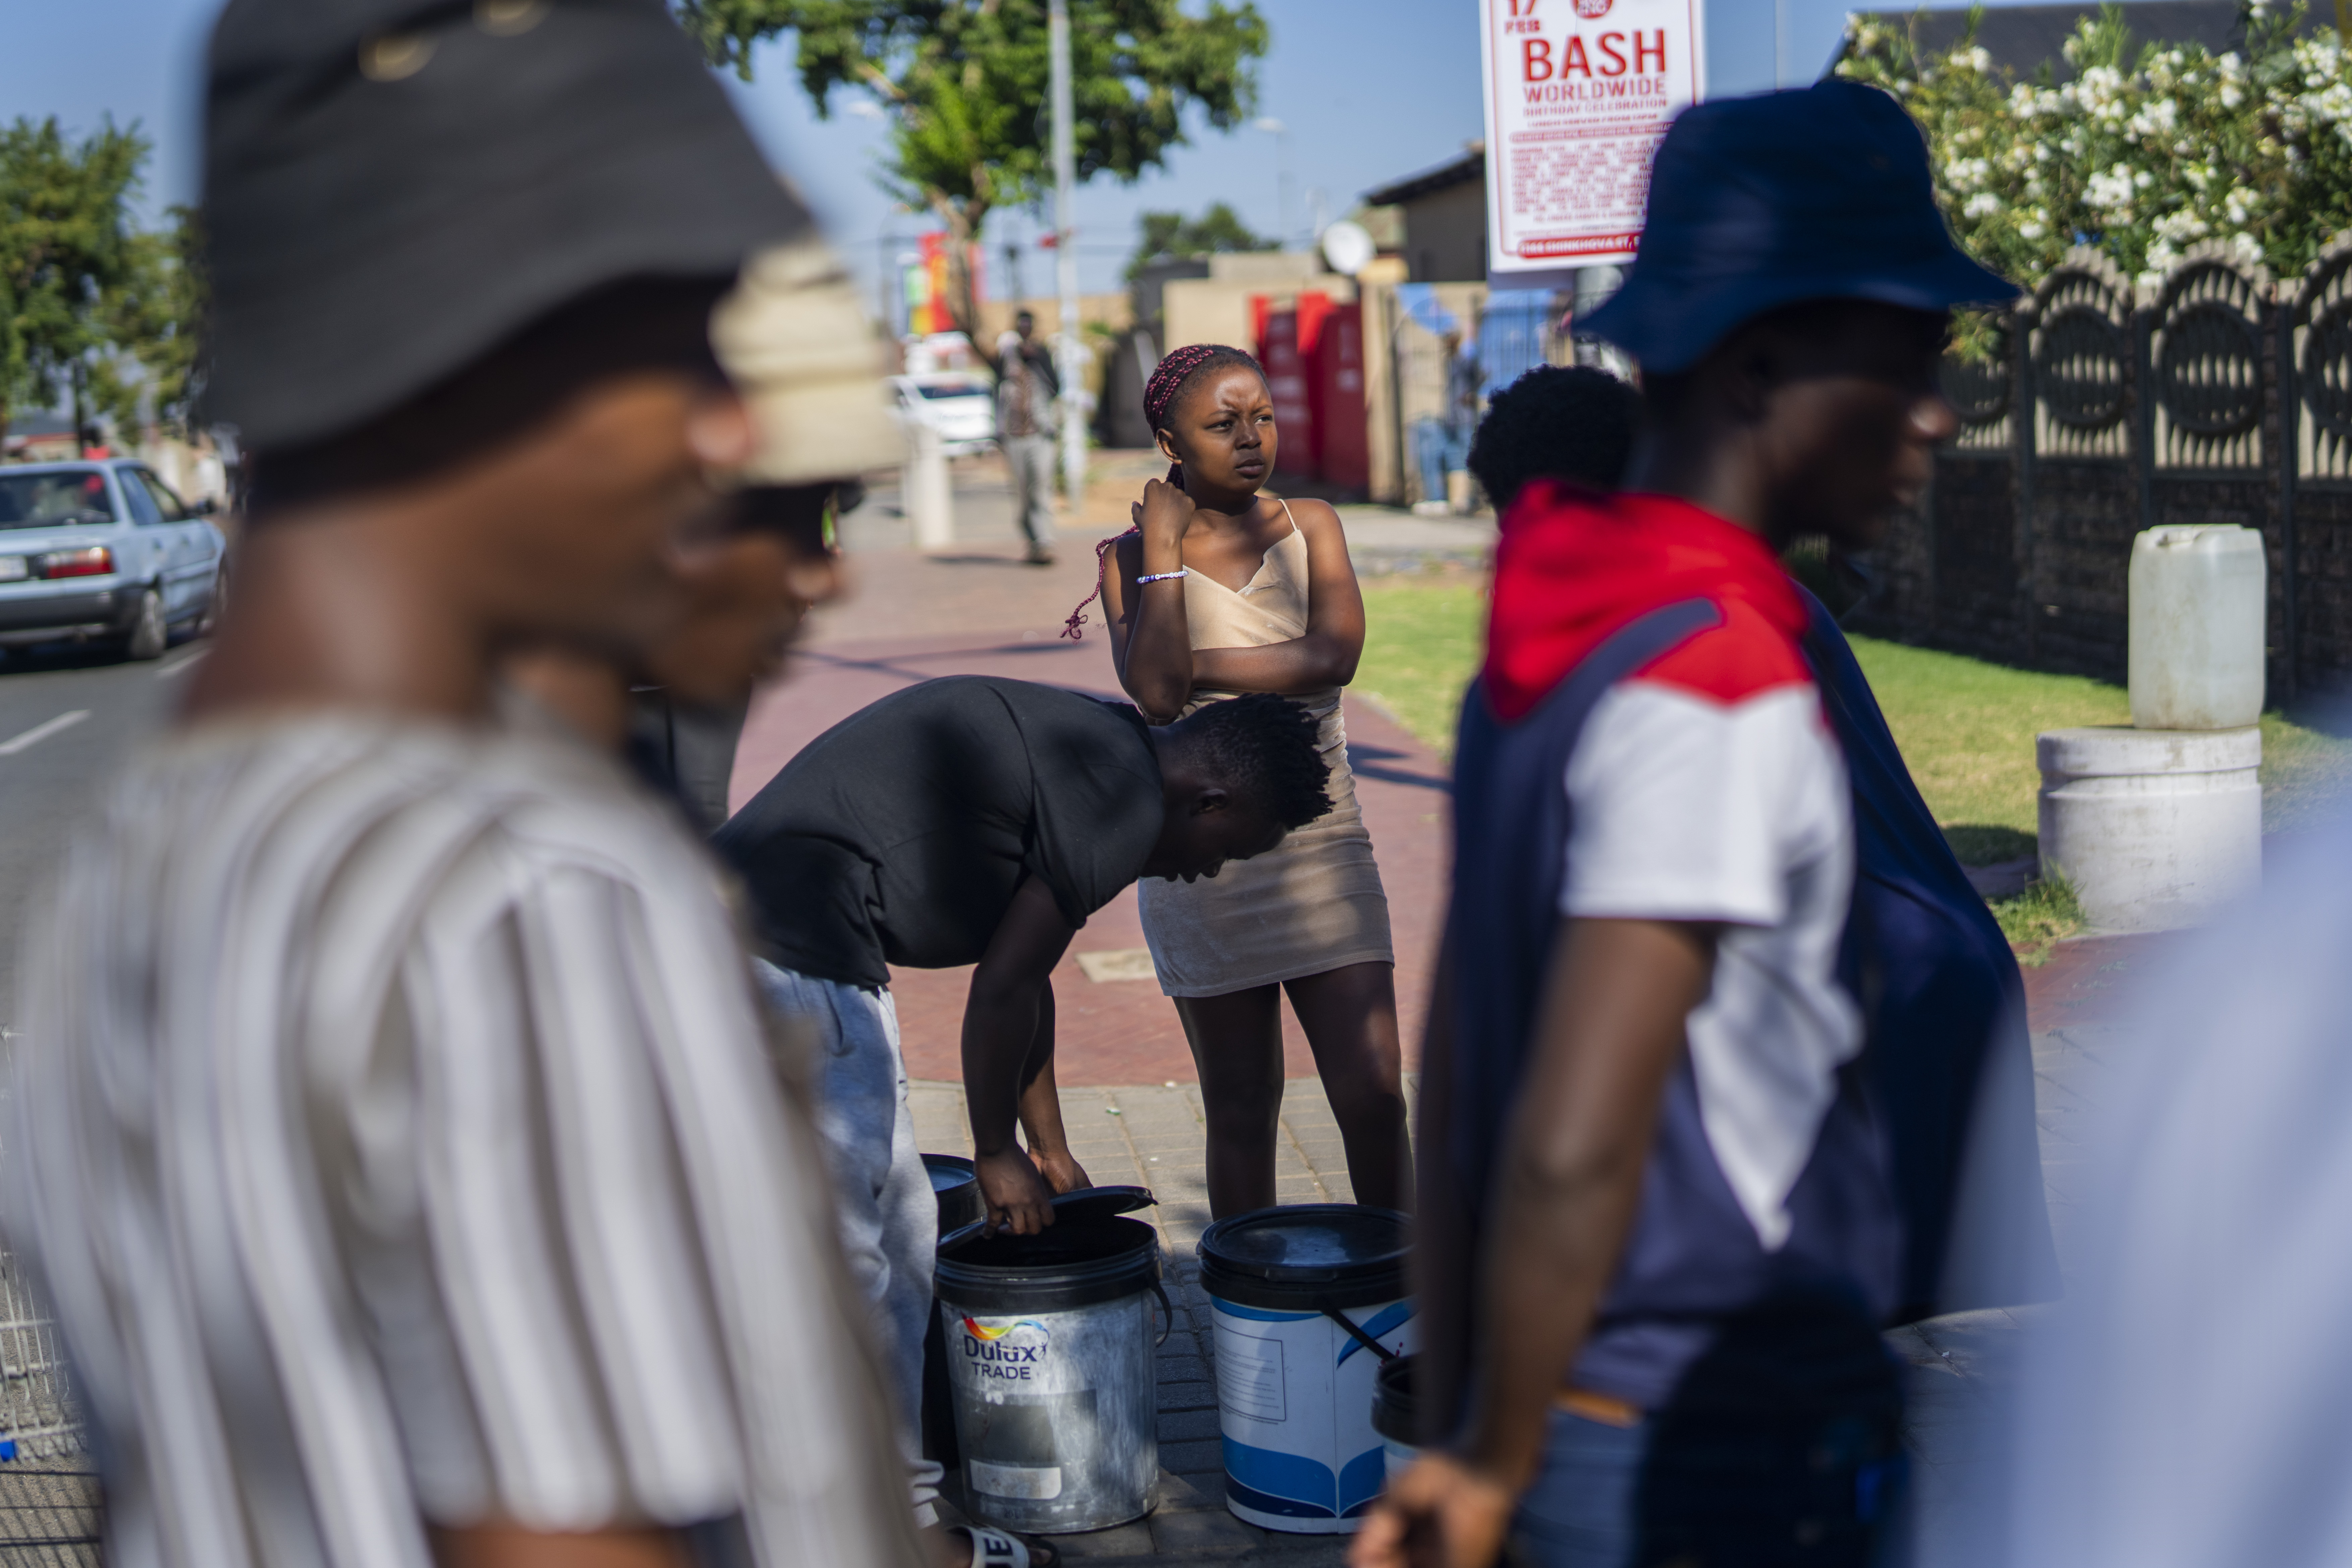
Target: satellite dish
(1346, 246)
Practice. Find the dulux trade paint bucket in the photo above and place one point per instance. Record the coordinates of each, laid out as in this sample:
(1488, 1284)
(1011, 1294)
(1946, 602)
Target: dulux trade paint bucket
(955, 1188)
(1050, 1345)
(1307, 1303)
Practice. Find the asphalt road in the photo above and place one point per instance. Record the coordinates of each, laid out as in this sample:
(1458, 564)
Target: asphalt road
(67, 720)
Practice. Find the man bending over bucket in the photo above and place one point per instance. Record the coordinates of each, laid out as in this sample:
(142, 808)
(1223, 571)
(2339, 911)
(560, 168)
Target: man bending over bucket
(975, 820)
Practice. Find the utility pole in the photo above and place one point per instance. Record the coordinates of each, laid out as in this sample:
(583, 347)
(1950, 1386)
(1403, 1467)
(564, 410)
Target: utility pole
(1065, 254)
(1281, 134)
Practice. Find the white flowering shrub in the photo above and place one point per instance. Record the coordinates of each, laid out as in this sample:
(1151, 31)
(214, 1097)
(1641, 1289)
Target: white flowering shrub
(2150, 148)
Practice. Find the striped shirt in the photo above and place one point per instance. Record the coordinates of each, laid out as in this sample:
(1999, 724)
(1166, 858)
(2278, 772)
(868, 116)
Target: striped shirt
(397, 1139)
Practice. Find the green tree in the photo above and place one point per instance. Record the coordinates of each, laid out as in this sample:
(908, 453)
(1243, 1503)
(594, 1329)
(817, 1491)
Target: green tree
(73, 269)
(965, 84)
(1168, 236)
(157, 324)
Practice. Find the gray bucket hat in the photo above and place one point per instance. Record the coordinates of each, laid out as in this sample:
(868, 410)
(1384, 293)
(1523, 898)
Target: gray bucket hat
(395, 187)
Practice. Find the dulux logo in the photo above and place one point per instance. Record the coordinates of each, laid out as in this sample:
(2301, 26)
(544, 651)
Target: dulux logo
(992, 1352)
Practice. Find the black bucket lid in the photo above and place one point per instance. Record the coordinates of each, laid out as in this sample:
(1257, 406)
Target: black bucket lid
(949, 1171)
(1306, 1255)
(1078, 1205)
(1088, 1254)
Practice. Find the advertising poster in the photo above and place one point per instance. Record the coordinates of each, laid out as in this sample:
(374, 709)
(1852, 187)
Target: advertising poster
(1578, 94)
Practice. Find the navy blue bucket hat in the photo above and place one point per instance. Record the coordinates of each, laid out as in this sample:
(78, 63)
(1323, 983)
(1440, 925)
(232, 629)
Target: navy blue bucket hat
(1821, 193)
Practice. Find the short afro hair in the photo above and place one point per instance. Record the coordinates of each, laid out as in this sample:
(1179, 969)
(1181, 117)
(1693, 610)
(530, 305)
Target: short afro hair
(1262, 748)
(1565, 422)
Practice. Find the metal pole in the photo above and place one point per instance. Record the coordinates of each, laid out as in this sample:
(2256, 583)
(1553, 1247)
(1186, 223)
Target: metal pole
(1065, 254)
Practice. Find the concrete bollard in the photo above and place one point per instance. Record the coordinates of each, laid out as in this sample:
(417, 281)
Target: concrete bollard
(924, 490)
(2159, 826)
(2156, 829)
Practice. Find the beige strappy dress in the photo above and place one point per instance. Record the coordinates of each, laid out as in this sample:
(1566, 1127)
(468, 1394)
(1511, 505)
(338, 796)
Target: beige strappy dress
(1315, 902)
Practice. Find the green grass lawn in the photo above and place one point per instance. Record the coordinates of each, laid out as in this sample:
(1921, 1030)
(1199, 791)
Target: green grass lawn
(1965, 727)
(1424, 636)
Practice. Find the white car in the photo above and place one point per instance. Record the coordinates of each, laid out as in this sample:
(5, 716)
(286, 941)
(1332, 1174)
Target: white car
(102, 552)
(961, 405)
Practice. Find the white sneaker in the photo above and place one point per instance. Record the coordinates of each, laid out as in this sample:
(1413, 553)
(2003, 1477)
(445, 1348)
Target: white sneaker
(1432, 509)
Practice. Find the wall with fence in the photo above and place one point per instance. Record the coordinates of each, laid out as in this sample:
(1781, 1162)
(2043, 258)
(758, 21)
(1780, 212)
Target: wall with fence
(2218, 395)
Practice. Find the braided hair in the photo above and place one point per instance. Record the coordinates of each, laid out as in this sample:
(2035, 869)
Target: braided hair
(1176, 370)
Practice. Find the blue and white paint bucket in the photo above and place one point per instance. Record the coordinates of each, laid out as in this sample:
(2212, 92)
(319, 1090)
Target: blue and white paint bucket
(1307, 1303)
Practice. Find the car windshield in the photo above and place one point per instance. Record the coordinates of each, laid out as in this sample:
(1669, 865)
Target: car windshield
(960, 389)
(54, 499)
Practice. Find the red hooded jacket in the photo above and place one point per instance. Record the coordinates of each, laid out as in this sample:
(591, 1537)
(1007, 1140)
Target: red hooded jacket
(1574, 566)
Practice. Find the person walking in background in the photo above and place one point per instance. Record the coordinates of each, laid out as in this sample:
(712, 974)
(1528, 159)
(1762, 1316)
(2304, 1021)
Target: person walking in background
(1441, 442)
(1027, 420)
(393, 1125)
(1220, 589)
(1659, 1232)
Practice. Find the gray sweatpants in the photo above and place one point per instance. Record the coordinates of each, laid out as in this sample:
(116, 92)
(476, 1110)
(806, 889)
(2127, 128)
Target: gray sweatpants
(889, 1221)
(1031, 458)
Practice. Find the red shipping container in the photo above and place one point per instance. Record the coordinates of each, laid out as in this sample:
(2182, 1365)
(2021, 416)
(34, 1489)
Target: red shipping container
(1286, 378)
(1344, 445)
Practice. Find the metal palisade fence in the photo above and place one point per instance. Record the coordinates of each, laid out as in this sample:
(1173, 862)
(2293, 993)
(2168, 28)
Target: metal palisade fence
(2214, 394)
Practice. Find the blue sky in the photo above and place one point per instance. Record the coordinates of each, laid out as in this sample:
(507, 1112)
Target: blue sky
(1369, 90)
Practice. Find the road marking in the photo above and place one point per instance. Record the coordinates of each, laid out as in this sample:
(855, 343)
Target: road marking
(165, 672)
(40, 732)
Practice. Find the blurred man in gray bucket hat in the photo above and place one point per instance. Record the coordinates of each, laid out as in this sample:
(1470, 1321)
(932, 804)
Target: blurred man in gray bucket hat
(395, 1128)
(1660, 1229)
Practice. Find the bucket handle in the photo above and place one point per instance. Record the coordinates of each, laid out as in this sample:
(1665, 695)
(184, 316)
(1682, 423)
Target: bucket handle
(1167, 1314)
(1356, 1332)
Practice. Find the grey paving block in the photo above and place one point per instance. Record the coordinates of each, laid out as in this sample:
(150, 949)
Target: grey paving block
(1302, 1550)
(1122, 1541)
(1204, 1533)
(1163, 1134)
(1181, 1369)
(1187, 1425)
(1187, 1458)
(1190, 1494)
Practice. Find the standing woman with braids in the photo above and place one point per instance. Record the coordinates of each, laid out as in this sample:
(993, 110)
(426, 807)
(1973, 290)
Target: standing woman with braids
(1221, 589)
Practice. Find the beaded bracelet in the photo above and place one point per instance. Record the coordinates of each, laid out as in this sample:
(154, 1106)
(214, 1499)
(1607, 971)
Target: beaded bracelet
(1164, 576)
